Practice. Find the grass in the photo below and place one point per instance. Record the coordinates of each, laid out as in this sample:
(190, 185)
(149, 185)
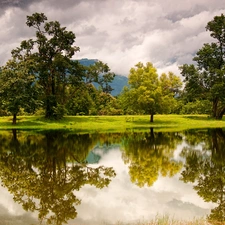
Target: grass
(114, 123)
(166, 220)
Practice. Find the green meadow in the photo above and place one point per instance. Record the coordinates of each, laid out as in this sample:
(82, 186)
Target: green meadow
(114, 123)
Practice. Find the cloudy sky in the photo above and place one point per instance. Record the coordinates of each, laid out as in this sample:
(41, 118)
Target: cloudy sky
(119, 32)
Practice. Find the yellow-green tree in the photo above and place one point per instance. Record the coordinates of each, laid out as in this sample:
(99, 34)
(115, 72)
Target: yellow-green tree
(147, 93)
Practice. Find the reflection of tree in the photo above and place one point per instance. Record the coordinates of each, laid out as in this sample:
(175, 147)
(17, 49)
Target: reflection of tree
(207, 168)
(44, 171)
(150, 154)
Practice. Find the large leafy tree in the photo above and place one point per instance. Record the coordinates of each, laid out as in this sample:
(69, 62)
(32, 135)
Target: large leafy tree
(51, 50)
(147, 93)
(206, 80)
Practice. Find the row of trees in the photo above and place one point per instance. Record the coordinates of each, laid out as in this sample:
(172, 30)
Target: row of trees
(41, 73)
(206, 79)
(41, 76)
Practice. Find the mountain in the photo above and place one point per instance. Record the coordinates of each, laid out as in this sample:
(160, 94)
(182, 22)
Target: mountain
(118, 83)
(87, 62)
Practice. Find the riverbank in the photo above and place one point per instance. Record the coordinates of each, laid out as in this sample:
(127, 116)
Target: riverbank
(114, 123)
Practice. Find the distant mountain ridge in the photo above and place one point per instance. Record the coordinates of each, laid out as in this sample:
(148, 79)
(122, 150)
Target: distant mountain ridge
(118, 83)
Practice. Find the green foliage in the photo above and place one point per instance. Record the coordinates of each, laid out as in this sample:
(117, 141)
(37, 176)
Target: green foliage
(196, 107)
(100, 73)
(51, 52)
(148, 93)
(80, 103)
(64, 84)
(206, 80)
(18, 87)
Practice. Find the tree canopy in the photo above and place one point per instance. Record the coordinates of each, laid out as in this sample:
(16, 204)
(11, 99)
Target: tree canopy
(18, 87)
(147, 92)
(46, 62)
(206, 80)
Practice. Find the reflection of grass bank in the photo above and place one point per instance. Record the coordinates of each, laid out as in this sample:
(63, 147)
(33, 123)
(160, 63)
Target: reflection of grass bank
(114, 123)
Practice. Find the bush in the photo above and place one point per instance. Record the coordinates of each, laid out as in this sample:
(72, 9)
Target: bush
(197, 107)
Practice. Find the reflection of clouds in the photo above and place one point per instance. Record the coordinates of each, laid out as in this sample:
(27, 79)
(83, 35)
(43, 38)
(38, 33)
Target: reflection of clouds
(6, 200)
(12, 213)
(126, 202)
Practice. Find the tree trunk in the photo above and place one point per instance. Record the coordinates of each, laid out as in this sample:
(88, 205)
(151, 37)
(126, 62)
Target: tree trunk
(214, 110)
(14, 119)
(220, 114)
(151, 118)
(50, 105)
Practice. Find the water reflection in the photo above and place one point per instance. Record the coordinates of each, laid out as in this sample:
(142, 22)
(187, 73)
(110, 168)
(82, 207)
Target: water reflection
(151, 154)
(43, 171)
(206, 168)
(46, 172)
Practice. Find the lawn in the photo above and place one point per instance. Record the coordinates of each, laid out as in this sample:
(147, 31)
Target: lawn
(114, 123)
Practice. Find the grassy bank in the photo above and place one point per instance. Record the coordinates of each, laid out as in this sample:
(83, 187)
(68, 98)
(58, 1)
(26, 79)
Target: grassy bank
(114, 123)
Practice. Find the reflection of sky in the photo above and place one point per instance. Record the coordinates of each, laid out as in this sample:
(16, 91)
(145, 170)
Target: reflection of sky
(12, 213)
(125, 202)
(122, 201)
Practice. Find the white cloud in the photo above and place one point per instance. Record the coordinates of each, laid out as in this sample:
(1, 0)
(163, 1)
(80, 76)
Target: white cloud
(120, 33)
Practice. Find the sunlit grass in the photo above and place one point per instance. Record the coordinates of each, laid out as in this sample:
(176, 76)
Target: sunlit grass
(114, 123)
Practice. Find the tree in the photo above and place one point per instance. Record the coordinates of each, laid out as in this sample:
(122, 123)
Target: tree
(51, 51)
(100, 73)
(150, 94)
(18, 87)
(207, 79)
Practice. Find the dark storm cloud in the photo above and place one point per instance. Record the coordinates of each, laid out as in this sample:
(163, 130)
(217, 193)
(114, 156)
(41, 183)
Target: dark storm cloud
(16, 3)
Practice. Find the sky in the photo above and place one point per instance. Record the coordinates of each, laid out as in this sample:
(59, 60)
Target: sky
(120, 33)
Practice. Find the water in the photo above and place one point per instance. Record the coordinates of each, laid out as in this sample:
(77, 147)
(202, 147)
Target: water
(60, 176)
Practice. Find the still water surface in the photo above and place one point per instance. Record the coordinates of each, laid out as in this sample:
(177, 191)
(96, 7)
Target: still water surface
(59, 176)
